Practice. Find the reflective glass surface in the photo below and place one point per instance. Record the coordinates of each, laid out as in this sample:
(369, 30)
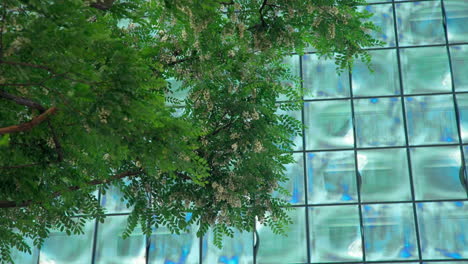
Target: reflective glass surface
(381, 180)
(436, 173)
(297, 140)
(279, 249)
(295, 183)
(382, 80)
(74, 249)
(383, 18)
(169, 248)
(113, 201)
(379, 122)
(420, 23)
(425, 70)
(331, 177)
(292, 63)
(462, 101)
(113, 249)
(389, 232)
(459, 55)
(457, 19)
(236, 250)
(328, 124)
(443, 230)
(431, 120)
(321, 80)
(335, 234)
(24, 257)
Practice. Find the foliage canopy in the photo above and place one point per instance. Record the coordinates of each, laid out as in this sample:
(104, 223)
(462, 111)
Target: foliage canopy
(85, 104)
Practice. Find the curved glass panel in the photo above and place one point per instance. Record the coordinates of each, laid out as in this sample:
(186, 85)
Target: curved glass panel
(168, 248)
(436, 173)
(236, 250)
(331, 177)
(335, 235)
(379, 122)
(459, 55)
(457, 19)
(420, 23)
(295, 183)
(443, 230)
(381, 179)
(425, 70)
(328, 125)
(389, 232)
(431, 120)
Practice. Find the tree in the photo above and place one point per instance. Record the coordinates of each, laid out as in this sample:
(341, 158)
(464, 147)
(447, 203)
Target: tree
(85, 105)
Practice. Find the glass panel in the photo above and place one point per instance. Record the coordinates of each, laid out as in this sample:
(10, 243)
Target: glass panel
(383, 18)
(384, 175)
(431, 120)
(298, 116)
(331, 177)
(457, 19)
(321, 79)
(443, 230)
(176, 92)
(462, 100)
(279, 249)
(74, 249)
(384, 79)
(446, 262)
(23, 257)
(237, 250)
(113, 249)
(112, 202)
(459, 56)
(389, 232)
(328, 125)
(292, 62)
(379, 122)
(295, 184)
(168, 248)
(425, 70)
(335, 234)
(419, 23)
(436, 173)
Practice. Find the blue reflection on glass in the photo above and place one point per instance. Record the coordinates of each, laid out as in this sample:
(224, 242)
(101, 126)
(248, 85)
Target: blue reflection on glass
(449, 254)
(226, 260)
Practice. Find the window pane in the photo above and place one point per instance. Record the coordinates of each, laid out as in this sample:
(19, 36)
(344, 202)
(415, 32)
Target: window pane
(297, 140)
(280, 249)
(335, 234)
(436, 173)
(23, 257)
(379, 122)
(457, 19)
(331, 177)
(166, 247)
(236, 250)
(425, 70)
(74, 249)
(384, 79)
(389, 232)
(431, 120)
(292, 62)
(321, 79)
(295, 184)
(420, 23)
(112, 201)
(383, 18)
(459, 56)
(443, 230)
(113, 249)
(384, 174)
(462, 100)
(328, 125)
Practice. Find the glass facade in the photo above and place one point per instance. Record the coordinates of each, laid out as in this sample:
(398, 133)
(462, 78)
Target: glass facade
(380, 174)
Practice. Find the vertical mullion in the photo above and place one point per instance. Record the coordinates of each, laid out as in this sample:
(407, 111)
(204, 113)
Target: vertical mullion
(405, 125)
(96, 225)
(361, 224)
(304, 160)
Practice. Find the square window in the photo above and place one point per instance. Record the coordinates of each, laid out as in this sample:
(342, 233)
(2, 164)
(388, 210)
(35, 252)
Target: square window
(112, 248)
(331, 177)
(381, 179)
(383, 18)
(425, 70)
(437, 173)
(321, 79)
(420, 23)
(328, 125)
(384, 78)
(459, 55)
(457, 19)
(335, 234)
(389, 232)
(443, 230)
(238, 249)
(295, 184)
(431, 120)
(166, 247)
(280, 249)
(379, 122)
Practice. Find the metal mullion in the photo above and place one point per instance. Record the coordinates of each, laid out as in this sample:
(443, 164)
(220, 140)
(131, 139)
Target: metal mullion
(96, 226)
(405, 126)
(357, 176)
(385, 202)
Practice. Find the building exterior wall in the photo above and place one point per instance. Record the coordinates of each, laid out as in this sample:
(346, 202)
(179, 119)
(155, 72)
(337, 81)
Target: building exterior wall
(380, 174)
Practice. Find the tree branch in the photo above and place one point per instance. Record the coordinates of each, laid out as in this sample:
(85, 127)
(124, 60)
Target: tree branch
(22, 101)
(28, 125)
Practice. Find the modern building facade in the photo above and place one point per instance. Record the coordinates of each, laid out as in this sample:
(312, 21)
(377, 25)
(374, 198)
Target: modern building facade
(380, 174)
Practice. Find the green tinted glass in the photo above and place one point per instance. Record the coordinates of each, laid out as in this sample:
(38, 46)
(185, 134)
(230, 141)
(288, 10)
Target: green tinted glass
(297, 114)
(295, 183)
(457, 19)
(383, 18)
(462, 101)
(238, 249)
(459, 55)
(165, 247)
